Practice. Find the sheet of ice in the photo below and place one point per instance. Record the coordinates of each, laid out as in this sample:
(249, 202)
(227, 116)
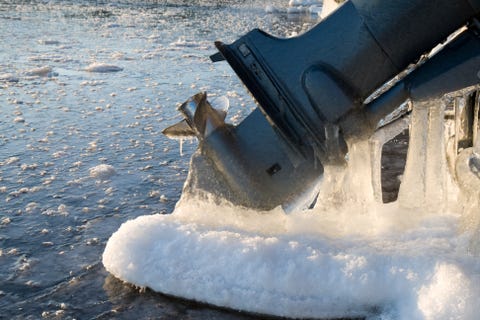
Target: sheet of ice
(387, 263)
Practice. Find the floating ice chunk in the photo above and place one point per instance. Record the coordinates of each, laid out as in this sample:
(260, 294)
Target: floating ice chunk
(48, 57)
(184, 42)
(120, 56)
(44, 71)
(5, 221)
(315, 10)
(293, 3)
(93, 241)
(102, 68)
(102, 171)
(295, 10)
(48, 42)
(10, 161)
(92, 83)
(271, 9)
(8, 77)
(303, 6)
(31, 207)
(62, 209)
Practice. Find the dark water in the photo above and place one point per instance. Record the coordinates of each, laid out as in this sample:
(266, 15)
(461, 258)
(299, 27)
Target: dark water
(58, 122)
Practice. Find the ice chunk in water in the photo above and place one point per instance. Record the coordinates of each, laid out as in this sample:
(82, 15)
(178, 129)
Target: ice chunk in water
(102, 68)
(44, 71)
(102, 171)
(8, 77)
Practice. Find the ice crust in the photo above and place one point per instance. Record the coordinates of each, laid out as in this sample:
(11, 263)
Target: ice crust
(388, 264)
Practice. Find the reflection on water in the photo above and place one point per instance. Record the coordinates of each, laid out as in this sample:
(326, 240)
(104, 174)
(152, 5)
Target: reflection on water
(81, 150)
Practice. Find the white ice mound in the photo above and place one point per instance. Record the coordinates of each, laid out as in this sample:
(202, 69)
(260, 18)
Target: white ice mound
(102, 171)
(102, 68)
(286, 265)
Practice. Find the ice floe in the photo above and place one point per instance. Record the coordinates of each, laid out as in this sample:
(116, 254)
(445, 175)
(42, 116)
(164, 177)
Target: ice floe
(8, 77)
(44, 71)
(102, 171)
(102, 68)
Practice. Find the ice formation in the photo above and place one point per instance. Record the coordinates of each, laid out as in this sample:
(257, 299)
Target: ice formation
(350, 256)
(381, 263)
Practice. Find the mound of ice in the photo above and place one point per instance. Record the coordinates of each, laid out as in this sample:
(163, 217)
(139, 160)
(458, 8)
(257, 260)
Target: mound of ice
(102, 68)
(305, 264)
(102, 171)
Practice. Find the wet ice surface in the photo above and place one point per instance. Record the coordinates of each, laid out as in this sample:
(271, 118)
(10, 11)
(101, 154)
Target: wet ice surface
(85, 90)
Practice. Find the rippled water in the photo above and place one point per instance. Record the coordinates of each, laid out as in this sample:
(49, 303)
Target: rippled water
(81, 152)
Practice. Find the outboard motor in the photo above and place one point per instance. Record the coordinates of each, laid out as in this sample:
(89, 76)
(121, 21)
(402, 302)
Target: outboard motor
(315, 90)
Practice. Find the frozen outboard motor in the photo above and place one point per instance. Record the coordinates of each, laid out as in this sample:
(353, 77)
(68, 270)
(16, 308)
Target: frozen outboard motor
(312, 89)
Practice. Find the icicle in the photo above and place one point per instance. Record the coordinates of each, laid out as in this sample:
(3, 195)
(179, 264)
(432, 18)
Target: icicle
(382, 136)
(425, 177)
(180, 141)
